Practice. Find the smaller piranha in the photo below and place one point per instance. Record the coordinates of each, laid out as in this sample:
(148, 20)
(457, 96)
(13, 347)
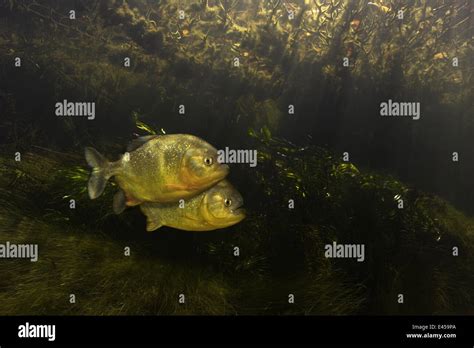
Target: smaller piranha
(218, 207)
(157, 168)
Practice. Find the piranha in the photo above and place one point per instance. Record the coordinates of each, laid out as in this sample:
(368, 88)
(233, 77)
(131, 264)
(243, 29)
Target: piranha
(217, 207)
(157, 168)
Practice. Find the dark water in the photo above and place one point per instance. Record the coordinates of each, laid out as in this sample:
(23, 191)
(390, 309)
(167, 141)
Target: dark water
(330, 167)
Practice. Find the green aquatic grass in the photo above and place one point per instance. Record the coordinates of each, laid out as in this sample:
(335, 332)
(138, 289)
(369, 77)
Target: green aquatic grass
(408, 250)
(95, 269)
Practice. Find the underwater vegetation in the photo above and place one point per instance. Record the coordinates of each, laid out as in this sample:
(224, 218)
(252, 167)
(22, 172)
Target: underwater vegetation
(190, 62)
(281, 61)
(408, 250)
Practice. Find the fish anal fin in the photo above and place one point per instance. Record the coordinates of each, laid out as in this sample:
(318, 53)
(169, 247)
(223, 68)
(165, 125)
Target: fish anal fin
(119, 203)
(152, 225)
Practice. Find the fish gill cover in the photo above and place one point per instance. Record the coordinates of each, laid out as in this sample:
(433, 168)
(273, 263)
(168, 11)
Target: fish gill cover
(301, 82)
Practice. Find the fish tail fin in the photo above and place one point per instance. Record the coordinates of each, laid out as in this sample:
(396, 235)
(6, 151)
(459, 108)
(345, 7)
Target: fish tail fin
(100, 172)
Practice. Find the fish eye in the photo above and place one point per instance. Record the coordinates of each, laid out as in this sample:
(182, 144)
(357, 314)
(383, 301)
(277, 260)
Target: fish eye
(208, 161)
(227, 202)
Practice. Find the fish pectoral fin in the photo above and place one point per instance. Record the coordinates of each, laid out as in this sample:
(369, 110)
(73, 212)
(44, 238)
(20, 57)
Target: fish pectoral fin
(119, 203)
(152, 224)
(191, 217)
(131, 201)
(175, 187)
(136, 143)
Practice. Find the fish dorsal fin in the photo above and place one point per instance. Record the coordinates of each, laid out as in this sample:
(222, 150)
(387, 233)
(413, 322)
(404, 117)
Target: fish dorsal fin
(152, 224)
(136, 143)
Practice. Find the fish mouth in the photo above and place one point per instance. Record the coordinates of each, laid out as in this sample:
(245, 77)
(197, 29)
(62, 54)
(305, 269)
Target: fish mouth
(225, 169)
(218, 175)
(239, 210)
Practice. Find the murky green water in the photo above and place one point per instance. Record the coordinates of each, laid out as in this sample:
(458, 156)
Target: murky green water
(360, 115)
